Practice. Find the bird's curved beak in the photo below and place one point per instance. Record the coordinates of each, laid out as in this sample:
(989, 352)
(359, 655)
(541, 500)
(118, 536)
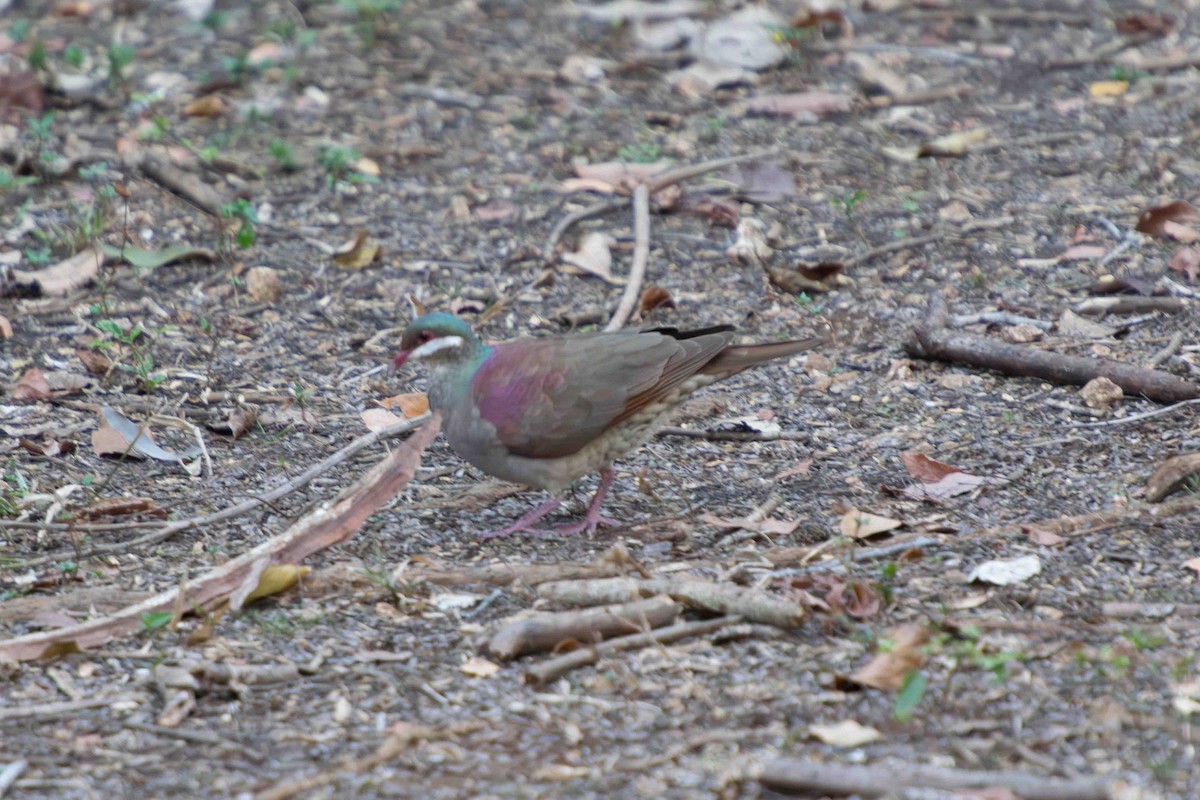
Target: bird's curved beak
(398, 362)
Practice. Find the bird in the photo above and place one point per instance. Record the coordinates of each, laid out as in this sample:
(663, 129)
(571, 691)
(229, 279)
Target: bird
(544, 412)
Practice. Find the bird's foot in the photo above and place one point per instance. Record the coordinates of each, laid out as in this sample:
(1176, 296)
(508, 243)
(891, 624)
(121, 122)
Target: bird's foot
(526, 522)
(588, 524)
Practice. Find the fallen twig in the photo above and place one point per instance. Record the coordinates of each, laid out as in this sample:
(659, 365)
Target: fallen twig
(934, 341)
(1131, 304)
(793, 776)
(754, 605)
(998, 318)
(326, 526)
(555, 668)
(641, 257)
(735, 436)
(1137, 417)
(66, 709)
(545, 631)
(920, 241)
(164, 531)
(1168, 350)
(10, 773)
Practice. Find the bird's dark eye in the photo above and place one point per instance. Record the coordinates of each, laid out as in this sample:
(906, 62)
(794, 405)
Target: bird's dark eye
(425, 336)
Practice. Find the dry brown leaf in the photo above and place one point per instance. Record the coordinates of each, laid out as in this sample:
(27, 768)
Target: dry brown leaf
(1043, 537)
(495, 212)
(751, 246)
(1082, 252)
(888, 669)
(94, 361)
(654, 297)
(860, 525)
(1145, 22)
(1192, 564)
(1187, 261)
(21, 89)
(924, 468)
(1184, 234)
(62, 278)
(1153, 221)
(807, 105)
(6, 330)
(800, 469)
(32, 387)
(594, 257)
(376, 419)
(478, 667)
(952, 485)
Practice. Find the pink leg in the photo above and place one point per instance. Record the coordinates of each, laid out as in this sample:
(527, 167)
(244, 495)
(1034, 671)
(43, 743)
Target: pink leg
(525, 523)
(593, 518)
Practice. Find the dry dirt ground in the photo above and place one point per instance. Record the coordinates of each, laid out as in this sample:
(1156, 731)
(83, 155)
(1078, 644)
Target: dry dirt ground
(1088, 668)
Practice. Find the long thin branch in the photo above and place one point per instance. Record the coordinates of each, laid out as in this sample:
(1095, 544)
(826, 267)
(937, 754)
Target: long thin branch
(641, 257)
(171, 528)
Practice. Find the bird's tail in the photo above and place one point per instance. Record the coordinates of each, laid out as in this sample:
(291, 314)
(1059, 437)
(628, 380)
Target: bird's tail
(737, 357)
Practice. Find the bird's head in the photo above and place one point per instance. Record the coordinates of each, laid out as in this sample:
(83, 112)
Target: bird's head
(436, 339)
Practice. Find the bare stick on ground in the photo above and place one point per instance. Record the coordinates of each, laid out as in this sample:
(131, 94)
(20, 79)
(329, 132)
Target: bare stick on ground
(934, 341)
(325, 527)
(641, 257)
(555, 668)
(543, 632)
(722, 598)
(809, 778)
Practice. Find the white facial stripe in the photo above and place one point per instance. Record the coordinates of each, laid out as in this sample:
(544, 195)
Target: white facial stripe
(437, 345)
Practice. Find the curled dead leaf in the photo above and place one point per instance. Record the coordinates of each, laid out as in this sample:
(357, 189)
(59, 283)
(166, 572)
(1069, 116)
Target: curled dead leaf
(32, 387)
(655, 297)
(1153, 221)
(888, 669)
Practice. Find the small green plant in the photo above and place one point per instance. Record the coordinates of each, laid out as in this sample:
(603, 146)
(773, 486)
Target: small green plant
(120, 56)
(338, 163)
(910, 695)
(73, 56)
(1131, 75)
(711, 128)
(367, 17)
(37, 56)
(38, 256)
(155, 620)
(848, 203)
(639, 153)
(806, 302)
(242, 210)
(140, 362)
(11, 182)
(13, 487)
(85, 226)
(19, 30)
(285, 157)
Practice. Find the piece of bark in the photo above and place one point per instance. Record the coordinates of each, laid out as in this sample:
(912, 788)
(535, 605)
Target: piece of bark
(326, 526)
(792, 776)
(1131, 304)
(545, 631)
(720, 598)
(557, 667)
(939, 343)
(1171, 476)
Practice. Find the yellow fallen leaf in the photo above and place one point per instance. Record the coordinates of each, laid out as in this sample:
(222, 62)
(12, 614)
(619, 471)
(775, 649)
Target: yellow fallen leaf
(208, 106)
(413, 404)
(275, 579)
(846, 733)
(478, 667)
(1108, 88)
(357, 254)
(859, 524)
